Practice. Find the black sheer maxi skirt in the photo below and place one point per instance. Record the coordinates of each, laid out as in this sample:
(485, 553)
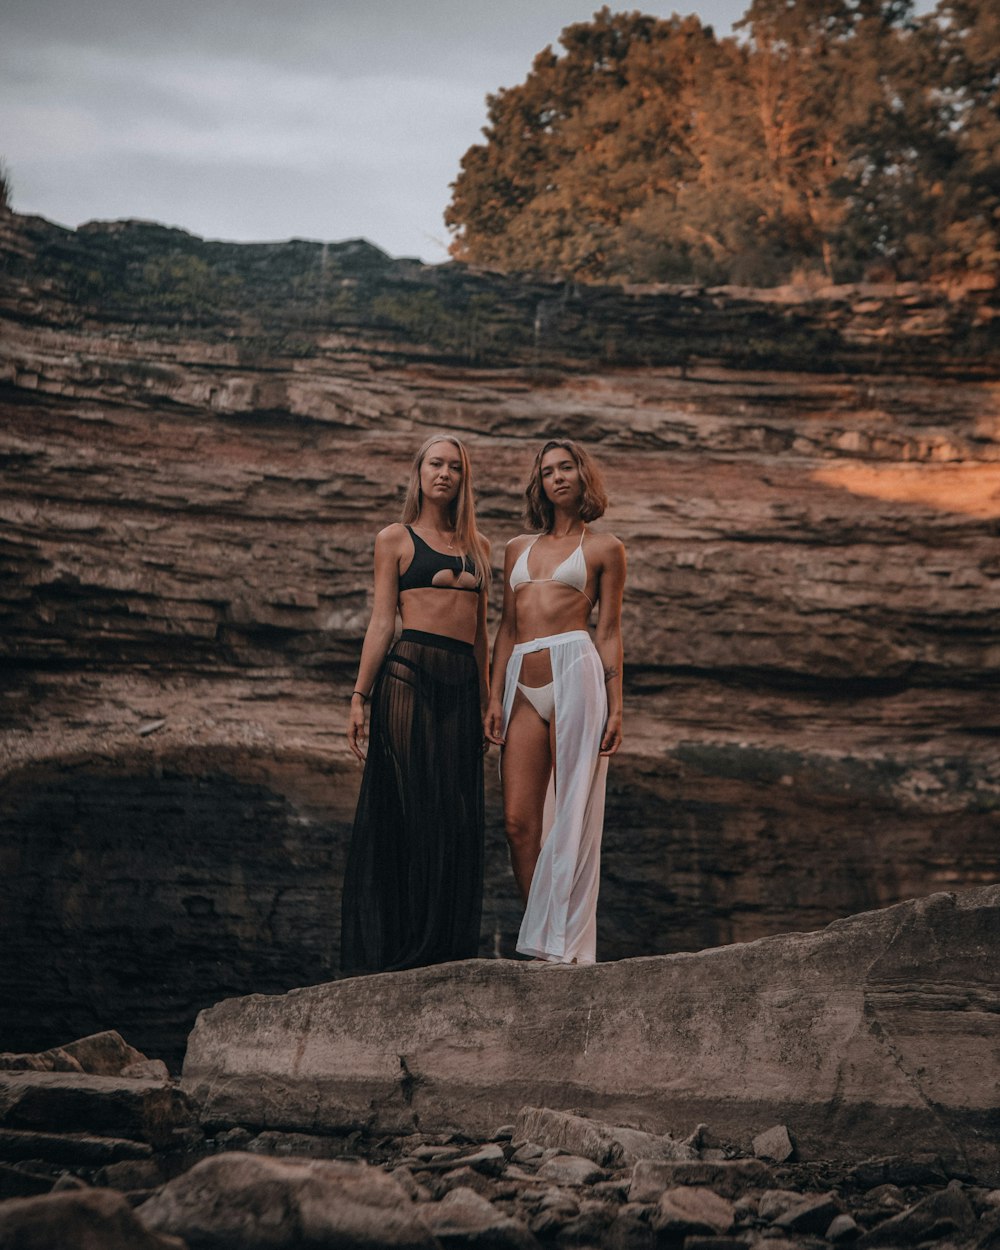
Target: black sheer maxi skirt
(413, 888)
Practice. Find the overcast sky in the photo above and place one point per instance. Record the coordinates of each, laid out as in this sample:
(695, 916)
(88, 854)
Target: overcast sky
(265, 119)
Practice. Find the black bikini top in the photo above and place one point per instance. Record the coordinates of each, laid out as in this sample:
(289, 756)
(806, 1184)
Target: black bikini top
(427, 563)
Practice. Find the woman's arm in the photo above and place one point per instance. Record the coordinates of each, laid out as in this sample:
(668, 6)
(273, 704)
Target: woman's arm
(503, 645)
(608, 638)
(378, 635)
(482, 648)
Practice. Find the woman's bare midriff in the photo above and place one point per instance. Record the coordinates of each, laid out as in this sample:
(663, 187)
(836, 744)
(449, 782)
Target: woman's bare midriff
(544, 609)
(438, 610)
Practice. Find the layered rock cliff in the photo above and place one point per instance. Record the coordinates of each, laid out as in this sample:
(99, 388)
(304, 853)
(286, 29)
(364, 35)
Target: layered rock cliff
(199, 441)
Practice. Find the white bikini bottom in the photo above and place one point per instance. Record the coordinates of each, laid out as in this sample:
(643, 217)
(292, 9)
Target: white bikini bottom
(541, 698)
(560, 919)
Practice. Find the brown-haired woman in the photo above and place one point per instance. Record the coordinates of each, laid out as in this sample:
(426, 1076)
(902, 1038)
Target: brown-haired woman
(414, 880)
(556, 702)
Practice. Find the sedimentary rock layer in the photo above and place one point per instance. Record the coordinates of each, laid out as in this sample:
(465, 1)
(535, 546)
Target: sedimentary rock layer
(884, 1023)
(199, 441)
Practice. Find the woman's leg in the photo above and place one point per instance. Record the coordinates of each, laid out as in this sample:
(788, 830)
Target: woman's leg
(560, 917)
(527, 767)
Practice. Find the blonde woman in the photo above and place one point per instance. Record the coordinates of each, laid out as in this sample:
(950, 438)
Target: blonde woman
(413, 886)
(556, 701)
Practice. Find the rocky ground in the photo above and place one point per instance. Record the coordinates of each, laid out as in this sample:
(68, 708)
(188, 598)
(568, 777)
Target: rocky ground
(99, 1148)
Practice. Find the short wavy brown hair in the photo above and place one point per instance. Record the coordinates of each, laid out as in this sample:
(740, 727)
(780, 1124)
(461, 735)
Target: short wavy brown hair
(538, 510)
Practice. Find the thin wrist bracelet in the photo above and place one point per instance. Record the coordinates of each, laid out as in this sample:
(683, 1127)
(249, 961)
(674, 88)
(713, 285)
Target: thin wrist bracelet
(364, 697)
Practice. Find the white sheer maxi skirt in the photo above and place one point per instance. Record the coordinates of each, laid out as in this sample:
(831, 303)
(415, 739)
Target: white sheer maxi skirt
(560, 920)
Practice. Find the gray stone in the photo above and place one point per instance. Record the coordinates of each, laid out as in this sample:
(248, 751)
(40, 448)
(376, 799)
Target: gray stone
(888, 1197)
(729, 1178)
(107, 1054)
(631, 1229)
(843, 1228)
(464, 1218)
(614, 1189)
(774, 1144)
(710, 1242)
(745, 1208)
(131, 1174)
(911, 1169)
(463, 1178)
(513, 1172)
(67, 1180)
(22, 1182)
(571, 1170)
(690, 1210)
(100, 1054)
(530, 1152)
(71, 1148)
(775, 1202)
(547, 1223)
(428, 1152)
(559, 1200)
(146, 1070)
(53, 1060)
(829, 1031)
(608, 1145)
(587, 1227)
(98, 1105)
(489, 1159)
(294, 1145)
(81, 1220)
(934, 1217)
(813, 1213)
(987, 1232)
(252, 1202)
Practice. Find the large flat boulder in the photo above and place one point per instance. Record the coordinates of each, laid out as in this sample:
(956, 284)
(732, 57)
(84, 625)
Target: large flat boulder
(879, 1028)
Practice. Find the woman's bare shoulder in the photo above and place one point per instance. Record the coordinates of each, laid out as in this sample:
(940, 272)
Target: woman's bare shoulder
(392, 540)
(395, 532)
(606, 543)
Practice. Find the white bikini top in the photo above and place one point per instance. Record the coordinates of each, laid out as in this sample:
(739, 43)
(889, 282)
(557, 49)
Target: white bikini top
(572, 572)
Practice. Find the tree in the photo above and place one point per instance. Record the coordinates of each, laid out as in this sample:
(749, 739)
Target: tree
(965, 35)
(586, 141)
(846, 137)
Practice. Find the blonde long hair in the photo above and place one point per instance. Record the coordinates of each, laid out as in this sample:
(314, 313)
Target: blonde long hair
(461, 510)
(538, 510)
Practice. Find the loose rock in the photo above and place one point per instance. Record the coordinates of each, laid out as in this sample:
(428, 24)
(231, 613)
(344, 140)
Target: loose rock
(462, 1218)
(729, 1178)
(692, 1209)
(775, 1202)
(842, 1229)
(250, 1202)
(570, 1170)
(935, 1216)
(812, 1214)
(775, 1144)
(86, 1219)
(606, 1144)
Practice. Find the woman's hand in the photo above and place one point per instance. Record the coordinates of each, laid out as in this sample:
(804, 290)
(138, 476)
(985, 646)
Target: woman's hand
(356, 735)
(612, 739)
(493, 723)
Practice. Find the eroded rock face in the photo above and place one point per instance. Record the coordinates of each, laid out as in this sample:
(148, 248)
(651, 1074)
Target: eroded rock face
(883, 1024)
(198, 446)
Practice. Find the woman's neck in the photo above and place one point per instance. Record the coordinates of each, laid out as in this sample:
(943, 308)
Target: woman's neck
(566, 523)
(434, 518)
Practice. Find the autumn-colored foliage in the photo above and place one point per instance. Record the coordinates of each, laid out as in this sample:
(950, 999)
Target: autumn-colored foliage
(843, 138)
